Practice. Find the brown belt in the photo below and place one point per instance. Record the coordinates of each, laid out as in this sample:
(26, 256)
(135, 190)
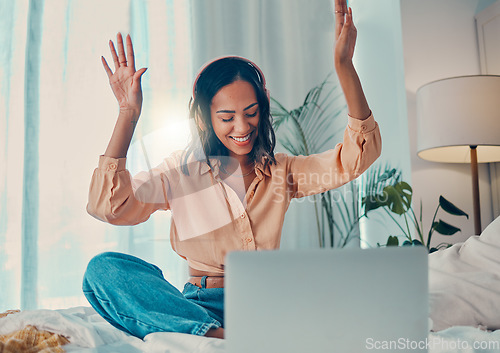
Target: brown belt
(210, 282)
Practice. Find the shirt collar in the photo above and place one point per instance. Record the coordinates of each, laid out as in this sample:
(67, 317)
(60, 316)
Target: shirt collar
(204, 167)
(260, 171)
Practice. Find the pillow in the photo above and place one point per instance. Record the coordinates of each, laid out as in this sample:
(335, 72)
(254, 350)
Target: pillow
(464, 282)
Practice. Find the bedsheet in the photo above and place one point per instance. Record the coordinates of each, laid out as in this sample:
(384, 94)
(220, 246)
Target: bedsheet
(88, 332)
(464, 282)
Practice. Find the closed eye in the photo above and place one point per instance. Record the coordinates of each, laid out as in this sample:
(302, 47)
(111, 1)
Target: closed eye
(248, 115)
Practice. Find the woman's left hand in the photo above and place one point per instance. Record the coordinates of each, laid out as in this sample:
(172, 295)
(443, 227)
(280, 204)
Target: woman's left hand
(345, 33)
(345, 40)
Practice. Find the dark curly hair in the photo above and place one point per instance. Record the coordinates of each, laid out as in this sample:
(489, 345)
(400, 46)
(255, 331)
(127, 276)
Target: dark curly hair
(212, 78)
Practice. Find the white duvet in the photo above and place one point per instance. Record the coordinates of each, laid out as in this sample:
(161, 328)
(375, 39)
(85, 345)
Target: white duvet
(464, 282)
(88, 332)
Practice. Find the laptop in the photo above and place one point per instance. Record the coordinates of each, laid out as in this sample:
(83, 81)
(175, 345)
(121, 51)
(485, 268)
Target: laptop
(327, 300)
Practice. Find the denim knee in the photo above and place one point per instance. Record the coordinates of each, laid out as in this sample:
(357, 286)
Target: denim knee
(98, 267)
(112, 267)
(104, 268)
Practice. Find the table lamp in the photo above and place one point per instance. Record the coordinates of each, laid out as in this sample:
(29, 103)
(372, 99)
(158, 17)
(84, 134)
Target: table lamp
(458, 121)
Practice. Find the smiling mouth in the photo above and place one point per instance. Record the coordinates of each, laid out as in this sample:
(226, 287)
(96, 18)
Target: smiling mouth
(242, 139)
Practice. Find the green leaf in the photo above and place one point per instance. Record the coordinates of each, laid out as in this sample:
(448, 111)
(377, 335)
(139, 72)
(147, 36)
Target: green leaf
(407, 243)
(392, 241)
(451, 208)
(406, 193)
(416, 242)
(398, 197)
(372, 202)
(444, 228)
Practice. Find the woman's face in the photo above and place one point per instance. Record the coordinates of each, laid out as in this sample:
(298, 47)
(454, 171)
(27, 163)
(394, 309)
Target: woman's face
(235, 117)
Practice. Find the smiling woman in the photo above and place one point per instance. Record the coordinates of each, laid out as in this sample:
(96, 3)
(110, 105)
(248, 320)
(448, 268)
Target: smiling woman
(213, 212)
(231, 108)
(236, 128)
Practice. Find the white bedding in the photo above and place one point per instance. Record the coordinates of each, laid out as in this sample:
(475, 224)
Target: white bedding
(464, 282)
(464, 290)
(88, 332)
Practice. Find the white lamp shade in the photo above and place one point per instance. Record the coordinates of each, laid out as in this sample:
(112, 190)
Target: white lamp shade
(456, 113)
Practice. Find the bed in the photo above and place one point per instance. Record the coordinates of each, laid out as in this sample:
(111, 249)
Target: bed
(87, 332)
(464, 297)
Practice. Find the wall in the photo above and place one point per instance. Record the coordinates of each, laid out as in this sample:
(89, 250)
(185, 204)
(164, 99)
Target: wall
(439, 41)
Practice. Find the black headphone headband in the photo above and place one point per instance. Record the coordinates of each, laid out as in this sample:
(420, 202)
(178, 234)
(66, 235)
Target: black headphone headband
(251, 63)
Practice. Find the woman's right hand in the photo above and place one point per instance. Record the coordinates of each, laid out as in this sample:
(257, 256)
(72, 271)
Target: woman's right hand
(125, 81)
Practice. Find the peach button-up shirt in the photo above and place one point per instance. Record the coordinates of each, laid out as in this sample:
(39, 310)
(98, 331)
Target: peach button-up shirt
(209, 219)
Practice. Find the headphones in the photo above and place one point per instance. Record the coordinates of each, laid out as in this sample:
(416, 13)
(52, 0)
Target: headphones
(250, 63)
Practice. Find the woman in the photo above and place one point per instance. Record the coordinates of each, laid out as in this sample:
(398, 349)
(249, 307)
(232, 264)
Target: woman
(227, 192)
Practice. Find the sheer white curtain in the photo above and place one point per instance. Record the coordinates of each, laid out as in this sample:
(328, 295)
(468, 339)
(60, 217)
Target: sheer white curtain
(57, 113)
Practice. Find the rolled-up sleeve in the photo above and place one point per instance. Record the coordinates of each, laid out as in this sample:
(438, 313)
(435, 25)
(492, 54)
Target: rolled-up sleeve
(118, 198)
(361, 146)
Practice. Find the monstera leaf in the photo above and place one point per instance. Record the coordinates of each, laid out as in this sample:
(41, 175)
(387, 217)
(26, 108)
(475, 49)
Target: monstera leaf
(372, 202)
(396, 197)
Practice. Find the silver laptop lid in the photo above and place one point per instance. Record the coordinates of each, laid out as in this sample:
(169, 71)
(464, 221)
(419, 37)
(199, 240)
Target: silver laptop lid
(327, 300)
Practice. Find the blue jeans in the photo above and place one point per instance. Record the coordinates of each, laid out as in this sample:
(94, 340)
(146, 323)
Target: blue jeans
(133, 296)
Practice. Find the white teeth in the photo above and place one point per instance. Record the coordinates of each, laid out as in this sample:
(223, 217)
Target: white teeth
(241, 139)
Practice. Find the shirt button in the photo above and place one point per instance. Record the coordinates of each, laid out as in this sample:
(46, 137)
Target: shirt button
(243, 215)
(251, 193)
(112, 166)
(363, 128)
(249, 240)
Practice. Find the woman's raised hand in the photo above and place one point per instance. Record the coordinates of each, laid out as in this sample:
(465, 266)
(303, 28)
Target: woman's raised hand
(345, 40)
(345, 33)
(125, 81)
